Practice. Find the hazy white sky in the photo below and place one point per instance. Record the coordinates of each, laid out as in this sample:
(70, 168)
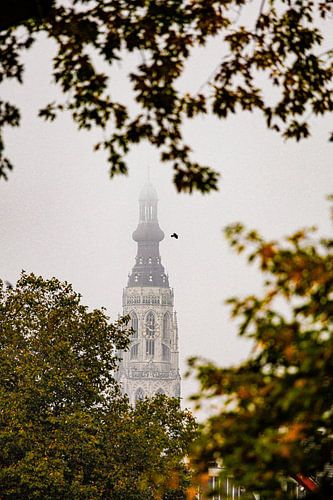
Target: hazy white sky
(63, 217)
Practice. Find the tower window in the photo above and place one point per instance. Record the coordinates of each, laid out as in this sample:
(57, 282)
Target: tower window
(136, 278)
(134, 325)
(150, 334)
(150, 277)
(166, 327)
(150, 347)
(139, 395)
(150, 260)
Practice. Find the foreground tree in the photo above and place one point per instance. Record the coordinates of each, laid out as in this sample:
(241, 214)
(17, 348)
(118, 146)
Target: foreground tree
(275, 418)
(65, 430)
(282, 43)
(152, 448)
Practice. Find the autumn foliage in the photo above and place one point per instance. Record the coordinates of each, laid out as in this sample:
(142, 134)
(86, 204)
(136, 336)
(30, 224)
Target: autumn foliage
(275, 417)
(65, 429)
(277, 45)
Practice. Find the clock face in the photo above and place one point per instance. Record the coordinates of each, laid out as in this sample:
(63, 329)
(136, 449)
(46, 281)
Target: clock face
(151, 328)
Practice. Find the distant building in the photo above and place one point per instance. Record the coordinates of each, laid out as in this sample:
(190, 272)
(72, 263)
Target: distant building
(151, 364)
(222, 486)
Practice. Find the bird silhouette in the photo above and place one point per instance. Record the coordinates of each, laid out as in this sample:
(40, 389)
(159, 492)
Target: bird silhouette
(174, 235)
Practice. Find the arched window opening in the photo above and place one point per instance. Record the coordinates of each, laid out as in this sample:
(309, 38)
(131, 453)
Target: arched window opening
(150, 334)
(150, 347)
(139, 395)
(134, 325)
(166, 327)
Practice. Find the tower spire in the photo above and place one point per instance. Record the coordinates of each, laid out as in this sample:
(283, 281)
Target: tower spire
(150, 366)
(148, 270)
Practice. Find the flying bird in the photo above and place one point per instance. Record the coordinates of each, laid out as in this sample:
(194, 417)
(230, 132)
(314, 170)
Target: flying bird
(174, 235)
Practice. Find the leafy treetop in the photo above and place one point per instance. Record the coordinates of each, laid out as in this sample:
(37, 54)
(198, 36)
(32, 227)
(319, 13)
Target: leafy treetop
(285, 43)
(65, 430)
(275, 416)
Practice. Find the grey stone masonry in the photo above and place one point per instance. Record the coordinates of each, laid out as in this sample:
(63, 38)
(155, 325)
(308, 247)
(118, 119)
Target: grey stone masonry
(151, 365)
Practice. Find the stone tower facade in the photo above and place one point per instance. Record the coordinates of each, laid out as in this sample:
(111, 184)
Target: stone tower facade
(151, 365)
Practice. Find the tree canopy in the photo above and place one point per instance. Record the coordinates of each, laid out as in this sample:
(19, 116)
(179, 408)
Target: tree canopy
(274, 417)
(65, 429)
(281, 46)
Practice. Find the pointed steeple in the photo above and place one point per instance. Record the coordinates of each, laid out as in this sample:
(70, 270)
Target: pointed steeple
(148, 270)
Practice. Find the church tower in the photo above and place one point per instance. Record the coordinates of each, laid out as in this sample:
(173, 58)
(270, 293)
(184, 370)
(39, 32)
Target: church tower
(151, 365)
